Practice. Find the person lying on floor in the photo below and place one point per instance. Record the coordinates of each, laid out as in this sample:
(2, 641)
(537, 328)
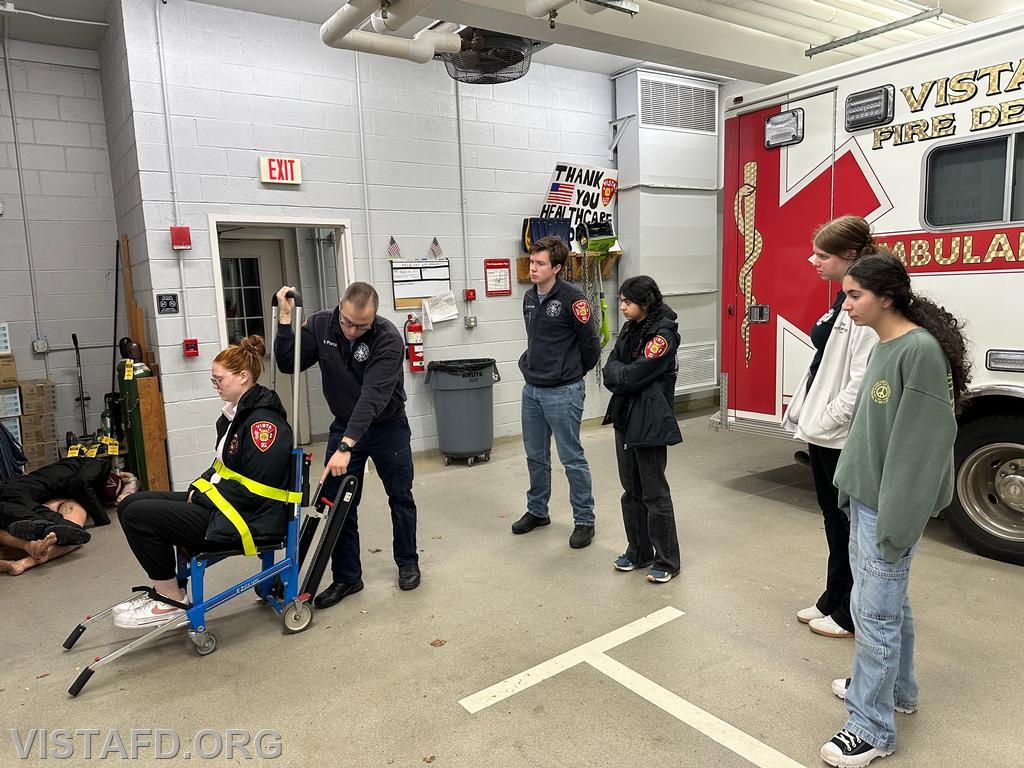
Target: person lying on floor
(238, 503)
(18, 555)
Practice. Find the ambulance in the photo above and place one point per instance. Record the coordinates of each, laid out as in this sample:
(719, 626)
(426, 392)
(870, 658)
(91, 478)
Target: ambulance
(925, 141)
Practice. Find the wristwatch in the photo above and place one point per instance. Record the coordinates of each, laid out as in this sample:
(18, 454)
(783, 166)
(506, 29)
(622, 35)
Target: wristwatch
(343, 447)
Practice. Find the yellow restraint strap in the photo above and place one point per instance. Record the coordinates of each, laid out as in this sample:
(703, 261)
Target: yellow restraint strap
(259, 489)
(209, 490)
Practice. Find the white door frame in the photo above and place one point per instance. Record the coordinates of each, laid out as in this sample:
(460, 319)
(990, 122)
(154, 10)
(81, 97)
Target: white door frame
(345, 263)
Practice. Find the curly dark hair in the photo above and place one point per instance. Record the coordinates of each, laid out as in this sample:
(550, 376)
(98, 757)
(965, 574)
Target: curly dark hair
(642, 291)
(886, 276)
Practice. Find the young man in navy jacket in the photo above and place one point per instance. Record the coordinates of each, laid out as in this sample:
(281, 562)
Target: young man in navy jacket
(561, 347)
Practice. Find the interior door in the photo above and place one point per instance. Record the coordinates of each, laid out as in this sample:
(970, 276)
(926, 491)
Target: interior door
(252, 271)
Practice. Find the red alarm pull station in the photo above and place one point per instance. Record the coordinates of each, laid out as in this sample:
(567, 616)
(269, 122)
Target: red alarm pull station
(190, 347)
(181, 238)
(469, 294)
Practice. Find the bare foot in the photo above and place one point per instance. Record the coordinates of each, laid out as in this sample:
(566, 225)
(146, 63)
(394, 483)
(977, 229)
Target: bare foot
(17, 567)
(53, 552)
(35, 549)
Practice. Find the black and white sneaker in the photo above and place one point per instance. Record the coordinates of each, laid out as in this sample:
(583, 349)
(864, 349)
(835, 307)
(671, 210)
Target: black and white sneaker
(847, 750)
(840, 684)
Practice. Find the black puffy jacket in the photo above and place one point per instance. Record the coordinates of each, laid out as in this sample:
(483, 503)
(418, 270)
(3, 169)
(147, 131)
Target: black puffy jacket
(259, 447)
(641, 375)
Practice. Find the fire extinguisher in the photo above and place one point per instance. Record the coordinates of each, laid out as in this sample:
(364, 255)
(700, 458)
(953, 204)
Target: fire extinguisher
(414, 342)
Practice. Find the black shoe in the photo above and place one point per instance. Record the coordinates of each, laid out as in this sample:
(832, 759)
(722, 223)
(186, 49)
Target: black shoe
(528, 522)
(408, 576)
(336, 592)
(28, 530)
(581, 536)
(69, 535)
(847, 750)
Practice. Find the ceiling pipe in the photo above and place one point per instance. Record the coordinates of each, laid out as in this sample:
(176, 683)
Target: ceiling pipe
(419, 49)
(541, 9)
(399, 13)
(346, 19)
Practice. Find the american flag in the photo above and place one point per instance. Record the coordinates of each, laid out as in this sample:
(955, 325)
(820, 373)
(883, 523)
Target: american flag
(393, 252)
(561, 194)
(435, 249)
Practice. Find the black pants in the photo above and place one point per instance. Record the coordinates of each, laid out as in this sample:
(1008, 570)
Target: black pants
(17, 504)
(647, 512)
(835, 600)
(389, 445)
(155, 523)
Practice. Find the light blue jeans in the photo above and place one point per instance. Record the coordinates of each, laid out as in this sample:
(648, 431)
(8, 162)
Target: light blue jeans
(557, 411)
(883, 666)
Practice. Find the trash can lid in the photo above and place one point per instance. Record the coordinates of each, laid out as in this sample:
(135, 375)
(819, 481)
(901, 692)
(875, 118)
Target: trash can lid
(467, 365)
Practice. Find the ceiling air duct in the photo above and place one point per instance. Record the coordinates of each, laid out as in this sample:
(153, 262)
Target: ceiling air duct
(488, 58)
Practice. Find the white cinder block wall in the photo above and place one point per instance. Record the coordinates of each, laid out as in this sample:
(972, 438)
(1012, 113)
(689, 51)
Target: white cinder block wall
(71, 229)
(243, 84)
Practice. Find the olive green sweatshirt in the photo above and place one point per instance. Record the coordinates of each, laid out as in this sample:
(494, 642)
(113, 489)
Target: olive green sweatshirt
(898, 459)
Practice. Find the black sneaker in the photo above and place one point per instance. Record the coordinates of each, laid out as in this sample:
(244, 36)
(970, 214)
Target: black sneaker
(528, 522)
(847, 750)
(581, 536)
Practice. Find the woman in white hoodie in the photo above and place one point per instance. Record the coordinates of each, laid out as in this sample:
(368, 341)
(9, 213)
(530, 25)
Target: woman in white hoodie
(822, 407)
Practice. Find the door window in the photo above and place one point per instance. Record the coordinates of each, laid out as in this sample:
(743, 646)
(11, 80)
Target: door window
(243, 305)
(967, 182)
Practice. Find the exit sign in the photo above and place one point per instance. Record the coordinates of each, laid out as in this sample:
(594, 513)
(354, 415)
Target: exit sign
(280, 170)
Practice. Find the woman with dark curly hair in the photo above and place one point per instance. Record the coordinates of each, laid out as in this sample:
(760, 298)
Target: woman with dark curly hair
(895, 472)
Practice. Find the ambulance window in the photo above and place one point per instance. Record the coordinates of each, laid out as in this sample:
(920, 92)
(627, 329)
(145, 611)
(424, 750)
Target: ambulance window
(966, 183)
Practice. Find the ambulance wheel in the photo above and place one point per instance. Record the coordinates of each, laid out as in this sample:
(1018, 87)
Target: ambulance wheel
(297, 617)
(988, 507)
(205, 643)
(447, 461)
(471, 461)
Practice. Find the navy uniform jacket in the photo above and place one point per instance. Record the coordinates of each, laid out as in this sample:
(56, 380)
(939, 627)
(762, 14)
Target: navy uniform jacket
(561, 337)
(363, 379)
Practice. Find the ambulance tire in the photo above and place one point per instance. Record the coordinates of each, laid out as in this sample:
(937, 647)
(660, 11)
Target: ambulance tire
(987, 511)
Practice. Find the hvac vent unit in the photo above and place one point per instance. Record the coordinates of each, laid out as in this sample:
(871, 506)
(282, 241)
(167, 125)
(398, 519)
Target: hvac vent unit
(678, 105)
(698, 366)
(489, 58)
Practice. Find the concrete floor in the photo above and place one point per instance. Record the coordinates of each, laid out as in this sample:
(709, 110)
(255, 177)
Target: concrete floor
(365, 686)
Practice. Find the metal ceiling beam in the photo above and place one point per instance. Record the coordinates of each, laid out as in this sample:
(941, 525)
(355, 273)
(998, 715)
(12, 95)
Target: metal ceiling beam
(815, 50)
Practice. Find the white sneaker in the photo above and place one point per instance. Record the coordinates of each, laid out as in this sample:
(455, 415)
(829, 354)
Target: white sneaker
(148, 614)
(840, 684)
(129, 604)
(809, 614)
(827, 627)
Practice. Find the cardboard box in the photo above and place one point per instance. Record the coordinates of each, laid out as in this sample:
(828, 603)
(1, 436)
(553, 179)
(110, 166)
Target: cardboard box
(8, 371)
(38, 396)
(40, 454)
(10, 403)
(39, 428)
(13, 424)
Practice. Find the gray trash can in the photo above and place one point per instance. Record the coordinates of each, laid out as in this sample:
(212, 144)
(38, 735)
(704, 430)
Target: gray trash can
(464, 407)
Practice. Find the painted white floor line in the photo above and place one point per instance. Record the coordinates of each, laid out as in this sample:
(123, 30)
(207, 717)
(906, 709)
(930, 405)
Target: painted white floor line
(593, 653)
(728, 736)
(541, 672)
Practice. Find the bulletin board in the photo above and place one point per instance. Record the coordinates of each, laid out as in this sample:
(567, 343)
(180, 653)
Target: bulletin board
(413, 281)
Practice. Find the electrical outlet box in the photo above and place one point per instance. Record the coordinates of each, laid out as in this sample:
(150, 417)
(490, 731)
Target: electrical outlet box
(40, 346)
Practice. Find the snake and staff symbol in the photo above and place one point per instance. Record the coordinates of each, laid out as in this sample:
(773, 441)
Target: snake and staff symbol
(743, 208)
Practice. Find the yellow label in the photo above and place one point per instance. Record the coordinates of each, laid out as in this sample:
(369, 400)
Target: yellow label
(129, 370)
(74, 451)
(92, 451)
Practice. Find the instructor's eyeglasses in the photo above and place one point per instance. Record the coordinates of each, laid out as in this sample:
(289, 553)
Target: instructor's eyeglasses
(356, 326)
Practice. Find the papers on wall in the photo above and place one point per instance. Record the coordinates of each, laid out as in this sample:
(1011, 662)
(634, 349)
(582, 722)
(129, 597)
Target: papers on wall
(413, 281)
(437, 309)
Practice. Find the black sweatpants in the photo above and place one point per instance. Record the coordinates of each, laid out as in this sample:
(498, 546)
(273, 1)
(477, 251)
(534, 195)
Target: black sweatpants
(17, 505)
(156, 522)
(835, 600)
(647, 512)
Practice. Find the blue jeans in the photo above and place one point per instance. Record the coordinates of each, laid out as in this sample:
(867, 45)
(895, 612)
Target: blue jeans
(557, 411)
(883, 666)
